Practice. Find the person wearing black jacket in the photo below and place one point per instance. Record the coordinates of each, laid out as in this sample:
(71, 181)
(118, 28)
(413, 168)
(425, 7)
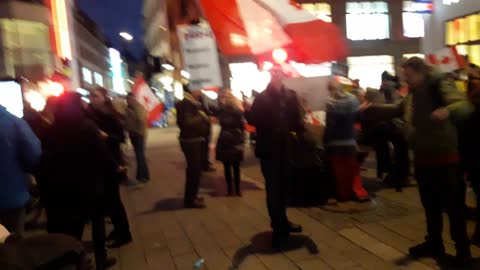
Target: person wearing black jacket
(75, 167)
(194, 128)
(104, 115)
(229, 148)
(276, 113)
(469, 145)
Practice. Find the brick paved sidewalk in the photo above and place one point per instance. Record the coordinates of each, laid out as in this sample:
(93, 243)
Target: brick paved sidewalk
(233, 233)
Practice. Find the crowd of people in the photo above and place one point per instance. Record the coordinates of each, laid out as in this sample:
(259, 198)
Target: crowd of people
(74, 151)
(432, 118)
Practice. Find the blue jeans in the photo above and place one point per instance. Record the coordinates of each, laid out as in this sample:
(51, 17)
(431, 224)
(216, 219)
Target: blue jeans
(138, 142)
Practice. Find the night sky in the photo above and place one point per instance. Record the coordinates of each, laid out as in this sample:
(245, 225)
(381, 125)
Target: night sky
(115, 16)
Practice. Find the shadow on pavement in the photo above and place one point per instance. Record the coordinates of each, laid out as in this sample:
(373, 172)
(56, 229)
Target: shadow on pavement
(261, 244)
(169, 204)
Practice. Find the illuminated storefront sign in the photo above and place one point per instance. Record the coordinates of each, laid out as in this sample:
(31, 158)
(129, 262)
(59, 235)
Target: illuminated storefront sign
(116, 68)
(61, 29)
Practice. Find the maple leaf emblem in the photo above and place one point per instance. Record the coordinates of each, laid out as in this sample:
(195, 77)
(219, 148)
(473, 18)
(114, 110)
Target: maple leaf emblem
(446, 60)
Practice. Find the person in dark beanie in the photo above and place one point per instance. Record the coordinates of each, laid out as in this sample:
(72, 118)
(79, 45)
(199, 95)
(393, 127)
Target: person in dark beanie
(429, 111)
(194, 127)
(76, 168)
(276, 113)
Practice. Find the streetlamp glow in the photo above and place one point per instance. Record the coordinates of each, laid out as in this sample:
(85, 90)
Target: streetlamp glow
(126, 36)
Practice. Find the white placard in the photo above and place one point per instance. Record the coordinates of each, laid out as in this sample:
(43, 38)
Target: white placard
(200, 56)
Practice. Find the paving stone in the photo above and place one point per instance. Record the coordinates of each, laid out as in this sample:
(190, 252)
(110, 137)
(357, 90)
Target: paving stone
(187, 261)
(159, 259)
(314, 264)
(180, 246)
(379, 248)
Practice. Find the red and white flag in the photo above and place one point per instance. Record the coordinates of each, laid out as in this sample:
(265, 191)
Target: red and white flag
(260, 26)
(446, 60)
(144, 95)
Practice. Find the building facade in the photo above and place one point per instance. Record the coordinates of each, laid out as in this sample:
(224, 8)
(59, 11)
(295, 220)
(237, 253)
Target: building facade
(93, 56)
(25, 48)
(380, 34)
(454, 22)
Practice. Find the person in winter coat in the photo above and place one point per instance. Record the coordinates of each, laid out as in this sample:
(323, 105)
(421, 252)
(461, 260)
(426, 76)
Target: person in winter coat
(194, 127)
(136, 120)
(104, 115)
(339, 139)
(231, 141)
(470, 146)
(20, 153)
(76, 168)
(276, 114)
(429, 112)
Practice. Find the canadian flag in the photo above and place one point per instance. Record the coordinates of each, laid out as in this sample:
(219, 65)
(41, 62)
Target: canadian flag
(144, 95)
(259, 26)
(446, 60)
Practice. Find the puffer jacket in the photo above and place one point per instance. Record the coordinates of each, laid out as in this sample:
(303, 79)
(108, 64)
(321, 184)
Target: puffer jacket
(231, 139)
(20, 152)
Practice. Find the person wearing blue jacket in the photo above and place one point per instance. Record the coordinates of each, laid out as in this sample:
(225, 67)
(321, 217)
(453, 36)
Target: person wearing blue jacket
(20, 152)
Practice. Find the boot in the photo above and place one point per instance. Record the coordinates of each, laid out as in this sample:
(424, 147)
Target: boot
(428, 249)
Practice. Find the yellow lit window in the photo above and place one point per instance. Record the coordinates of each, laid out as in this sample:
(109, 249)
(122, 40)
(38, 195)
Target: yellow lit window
(474, 27)
(475, 54)
(451, 35)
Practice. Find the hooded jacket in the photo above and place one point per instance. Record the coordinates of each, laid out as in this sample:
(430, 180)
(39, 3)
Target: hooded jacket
(20, 152)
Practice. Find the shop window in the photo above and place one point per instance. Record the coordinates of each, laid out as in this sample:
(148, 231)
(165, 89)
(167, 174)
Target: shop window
(368, 20)
(25, 49)
(413, 23)
(473, 22)
(369, 69)
(462, 49)
(322, 11)
(87, 75)
(98, 79)
(474, 55)
(451, 34)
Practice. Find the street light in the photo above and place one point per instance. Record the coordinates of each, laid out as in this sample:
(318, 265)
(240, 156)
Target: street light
(126, 36)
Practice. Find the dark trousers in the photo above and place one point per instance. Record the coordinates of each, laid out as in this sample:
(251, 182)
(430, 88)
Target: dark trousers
(116, 210)
(232, 176)
(275, 173)
(474, 179)
(138, 143)
(13, 220)
(63, 222)
(193, 156)
(206, 153)
(382, 155)
(442, 188)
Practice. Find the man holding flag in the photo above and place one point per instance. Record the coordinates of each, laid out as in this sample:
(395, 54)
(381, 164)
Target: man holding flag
(143, 107)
